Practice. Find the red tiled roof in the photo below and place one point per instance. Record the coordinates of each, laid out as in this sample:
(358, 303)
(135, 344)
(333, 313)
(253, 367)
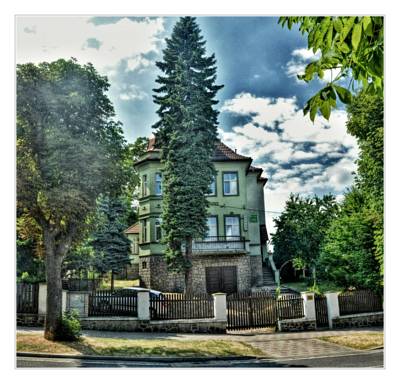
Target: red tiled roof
(223, 152)
(133, 229)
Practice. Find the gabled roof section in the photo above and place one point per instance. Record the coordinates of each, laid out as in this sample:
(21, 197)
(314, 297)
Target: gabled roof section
(133, 229)
(223, 153)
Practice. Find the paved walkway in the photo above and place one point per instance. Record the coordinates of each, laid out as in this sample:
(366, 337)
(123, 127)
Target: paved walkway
(274, 345)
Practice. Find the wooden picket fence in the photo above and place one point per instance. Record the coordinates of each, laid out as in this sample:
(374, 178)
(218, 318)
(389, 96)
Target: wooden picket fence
(248, 310)
(121, 302)
(362, 301)
(27, 298)
(170, 306)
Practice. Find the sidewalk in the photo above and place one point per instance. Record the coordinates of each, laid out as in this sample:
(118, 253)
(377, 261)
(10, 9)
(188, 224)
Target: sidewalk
(274, 345)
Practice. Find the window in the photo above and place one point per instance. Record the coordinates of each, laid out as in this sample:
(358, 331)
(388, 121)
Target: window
(144, 265)
(232, 227)
(158, 184)
(231, 187)
(144, 231)
(158, 230)
(212, 224)
(212, 188)
(144, 185)
(134, 246)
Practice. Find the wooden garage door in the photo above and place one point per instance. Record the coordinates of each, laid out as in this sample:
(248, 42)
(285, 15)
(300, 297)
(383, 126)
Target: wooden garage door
(221, 279)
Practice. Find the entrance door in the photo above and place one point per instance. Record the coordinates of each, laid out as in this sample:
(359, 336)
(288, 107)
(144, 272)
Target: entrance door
(221, 279)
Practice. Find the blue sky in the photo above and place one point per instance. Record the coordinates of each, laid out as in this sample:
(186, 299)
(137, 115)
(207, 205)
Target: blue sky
(260, 104)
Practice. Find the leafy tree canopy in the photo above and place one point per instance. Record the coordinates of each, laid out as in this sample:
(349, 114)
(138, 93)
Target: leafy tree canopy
(300, 229)
(353, 46)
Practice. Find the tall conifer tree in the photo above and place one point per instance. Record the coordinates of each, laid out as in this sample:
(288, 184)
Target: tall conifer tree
(186, 134)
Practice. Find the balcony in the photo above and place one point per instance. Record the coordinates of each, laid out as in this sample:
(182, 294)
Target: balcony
(219, 245)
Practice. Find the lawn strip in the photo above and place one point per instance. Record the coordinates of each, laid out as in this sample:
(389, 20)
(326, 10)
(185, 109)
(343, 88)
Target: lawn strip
(125, 347)
(361, 341)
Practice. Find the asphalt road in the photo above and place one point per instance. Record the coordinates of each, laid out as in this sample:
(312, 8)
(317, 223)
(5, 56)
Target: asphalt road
(372, 359)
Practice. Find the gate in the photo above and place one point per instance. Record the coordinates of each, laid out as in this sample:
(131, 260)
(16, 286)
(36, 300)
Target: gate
(247, 310)
(321, 311)
(27, 298)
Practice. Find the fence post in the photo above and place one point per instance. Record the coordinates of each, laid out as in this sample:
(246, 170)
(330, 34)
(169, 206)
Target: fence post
(309, 305)
(143, 305)
(42, 301)
(332, 303)
(220, 313)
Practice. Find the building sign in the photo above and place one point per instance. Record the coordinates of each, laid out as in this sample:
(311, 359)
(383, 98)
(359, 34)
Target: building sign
(253, 218)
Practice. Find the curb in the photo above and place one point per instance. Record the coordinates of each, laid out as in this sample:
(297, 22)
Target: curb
(126, 358)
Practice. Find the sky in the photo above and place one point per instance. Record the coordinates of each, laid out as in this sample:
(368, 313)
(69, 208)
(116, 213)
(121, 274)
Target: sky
(260, 105)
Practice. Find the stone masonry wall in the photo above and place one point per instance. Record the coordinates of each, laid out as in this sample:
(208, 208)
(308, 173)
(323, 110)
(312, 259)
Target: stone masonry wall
(256, 271)
(242, 262)
(297, 325)
(30, 320)
(359, 320)
(159, 278)
(134, 325)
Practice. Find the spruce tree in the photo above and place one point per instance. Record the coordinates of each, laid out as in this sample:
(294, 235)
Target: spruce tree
(186, 133)
(109, 242)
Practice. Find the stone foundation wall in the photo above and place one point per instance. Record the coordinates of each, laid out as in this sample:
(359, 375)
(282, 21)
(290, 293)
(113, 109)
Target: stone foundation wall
(135, 325)
(297, 325)
(30, 320)
(132, 271)
(156, 275)
(242, 262)
(358, 320)
(256, 271)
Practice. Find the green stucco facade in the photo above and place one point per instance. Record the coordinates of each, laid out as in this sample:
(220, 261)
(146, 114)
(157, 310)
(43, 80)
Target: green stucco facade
(247, 205)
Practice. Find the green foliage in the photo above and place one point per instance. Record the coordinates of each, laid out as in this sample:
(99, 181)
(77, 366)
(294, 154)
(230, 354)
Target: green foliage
(186, 134)
(347, 255)
(353, 45)
(110, 245)
(30, 267)
(70, 327)
(353, 249)
(69, 148)
(300, 229)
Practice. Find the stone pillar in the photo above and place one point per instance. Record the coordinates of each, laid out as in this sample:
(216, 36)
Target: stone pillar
(143, 305)
(42, 310)
(309, 305)
(78, 301)
(332, 303)
(64, 301)
(220, 313)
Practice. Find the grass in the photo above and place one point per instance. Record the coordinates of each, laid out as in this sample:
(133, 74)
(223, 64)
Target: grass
(139, 348)
(120, 283)
(323, 286)
(366, 340)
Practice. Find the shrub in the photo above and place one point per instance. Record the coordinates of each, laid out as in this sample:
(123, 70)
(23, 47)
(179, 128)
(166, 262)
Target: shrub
(70, 329)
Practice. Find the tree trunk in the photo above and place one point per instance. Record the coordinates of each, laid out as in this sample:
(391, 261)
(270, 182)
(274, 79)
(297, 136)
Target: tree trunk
(112, 280)
(188, 267)
(56, 247)
(54, 286)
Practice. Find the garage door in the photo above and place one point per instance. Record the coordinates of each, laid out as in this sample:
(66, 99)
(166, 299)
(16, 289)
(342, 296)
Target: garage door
(221, 279)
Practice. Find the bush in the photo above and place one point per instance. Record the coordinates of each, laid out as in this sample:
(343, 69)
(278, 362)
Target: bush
(70, 329)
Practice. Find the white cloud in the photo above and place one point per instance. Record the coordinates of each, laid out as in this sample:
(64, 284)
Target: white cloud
(66, 37)
(266, 110)
(292, 156)
(306, 54)
(132, 92)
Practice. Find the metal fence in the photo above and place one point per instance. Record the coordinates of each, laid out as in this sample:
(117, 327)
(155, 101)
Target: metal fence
(290, 306)
(27, 298)
(353, 302)
(113, 303)
(169, 306)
